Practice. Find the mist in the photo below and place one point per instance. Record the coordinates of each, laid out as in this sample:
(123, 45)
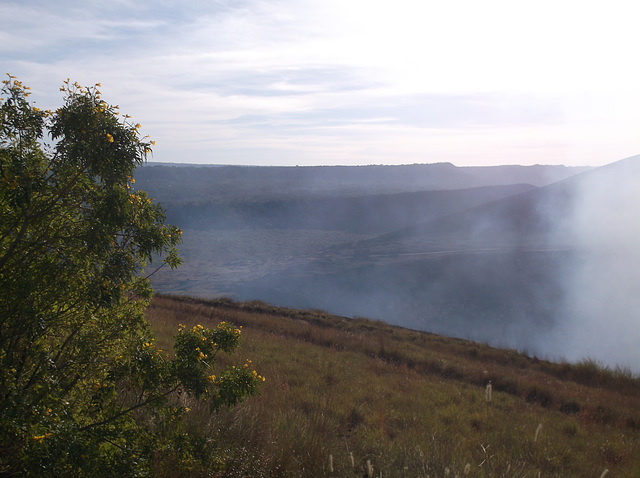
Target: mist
(548, 268)
(600, 318)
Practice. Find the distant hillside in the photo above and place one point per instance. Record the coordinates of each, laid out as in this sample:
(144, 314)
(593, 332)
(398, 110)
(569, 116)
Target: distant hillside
(518, 265)
(540, 216)
(177, 185)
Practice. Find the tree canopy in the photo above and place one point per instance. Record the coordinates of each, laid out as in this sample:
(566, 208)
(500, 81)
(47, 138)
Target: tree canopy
(83, 388)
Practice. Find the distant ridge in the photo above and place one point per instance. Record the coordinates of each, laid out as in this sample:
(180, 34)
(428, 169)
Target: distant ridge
(535, 216)
(203, 184)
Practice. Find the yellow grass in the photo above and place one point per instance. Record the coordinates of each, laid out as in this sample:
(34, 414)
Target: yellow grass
(408, 403)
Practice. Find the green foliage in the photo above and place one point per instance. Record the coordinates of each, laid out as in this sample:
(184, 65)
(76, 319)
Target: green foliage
(83, 388)
(196, 348)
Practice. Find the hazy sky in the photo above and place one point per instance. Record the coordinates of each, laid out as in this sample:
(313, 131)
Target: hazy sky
(286, 82)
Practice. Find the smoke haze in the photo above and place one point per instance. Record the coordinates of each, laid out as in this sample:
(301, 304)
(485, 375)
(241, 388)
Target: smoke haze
(550, 268)
(601, 316)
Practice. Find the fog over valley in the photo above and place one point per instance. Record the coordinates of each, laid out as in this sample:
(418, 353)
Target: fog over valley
(543, 259)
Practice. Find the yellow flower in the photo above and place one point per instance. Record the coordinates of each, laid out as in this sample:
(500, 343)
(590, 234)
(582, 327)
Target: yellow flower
(211, 378)
(39, 438)
(109, 138)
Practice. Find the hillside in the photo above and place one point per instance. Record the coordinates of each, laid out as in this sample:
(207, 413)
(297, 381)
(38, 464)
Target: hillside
(350, 392)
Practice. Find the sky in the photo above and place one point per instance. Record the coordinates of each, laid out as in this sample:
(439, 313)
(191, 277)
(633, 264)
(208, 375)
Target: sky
(350, 82)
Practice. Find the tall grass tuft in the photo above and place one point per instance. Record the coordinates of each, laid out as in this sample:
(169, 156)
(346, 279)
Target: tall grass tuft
(537, 435)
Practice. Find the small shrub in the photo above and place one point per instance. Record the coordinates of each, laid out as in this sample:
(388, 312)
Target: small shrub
(570, 408)
(603, 415)
(506, 385)
(539, 395)
(570, 429)
(354, 419)
(633, 423)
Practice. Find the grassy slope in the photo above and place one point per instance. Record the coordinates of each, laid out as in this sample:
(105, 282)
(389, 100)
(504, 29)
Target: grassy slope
(411, 403)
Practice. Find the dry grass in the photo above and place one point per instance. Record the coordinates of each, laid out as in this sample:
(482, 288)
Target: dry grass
(409, 403)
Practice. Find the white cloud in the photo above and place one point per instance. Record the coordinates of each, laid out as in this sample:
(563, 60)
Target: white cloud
(560, 77)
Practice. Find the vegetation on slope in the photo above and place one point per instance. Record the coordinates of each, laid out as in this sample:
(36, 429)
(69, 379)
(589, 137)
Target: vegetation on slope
(344, 397)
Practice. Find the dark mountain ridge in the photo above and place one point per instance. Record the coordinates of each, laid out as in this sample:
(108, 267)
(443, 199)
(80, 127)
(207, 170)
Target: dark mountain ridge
(229, 184)
(535, 217)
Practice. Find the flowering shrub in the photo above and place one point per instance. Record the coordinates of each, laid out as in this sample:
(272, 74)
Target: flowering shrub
(84, 390)
(196, 350)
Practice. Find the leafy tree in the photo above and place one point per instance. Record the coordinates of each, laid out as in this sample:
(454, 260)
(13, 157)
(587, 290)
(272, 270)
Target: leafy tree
(83, 388)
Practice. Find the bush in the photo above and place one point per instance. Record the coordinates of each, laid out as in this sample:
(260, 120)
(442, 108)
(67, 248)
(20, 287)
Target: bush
(83, 388)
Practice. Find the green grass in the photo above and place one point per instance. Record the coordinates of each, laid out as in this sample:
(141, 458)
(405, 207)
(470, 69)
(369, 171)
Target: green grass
(410, 403)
